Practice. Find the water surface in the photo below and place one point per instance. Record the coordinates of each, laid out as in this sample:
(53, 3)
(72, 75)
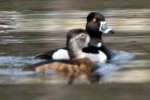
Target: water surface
(30, 30)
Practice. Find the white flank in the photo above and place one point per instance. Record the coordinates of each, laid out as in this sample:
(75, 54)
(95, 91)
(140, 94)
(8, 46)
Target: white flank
(61, 54)
(97, 58)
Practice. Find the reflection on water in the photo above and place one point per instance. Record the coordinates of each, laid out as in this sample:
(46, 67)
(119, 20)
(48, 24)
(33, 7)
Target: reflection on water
(23, 34)
(13, 61)
(13, 68)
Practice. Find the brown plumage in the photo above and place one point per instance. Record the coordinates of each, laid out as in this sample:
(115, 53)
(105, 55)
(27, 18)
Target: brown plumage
(72, 69)
(78, 65)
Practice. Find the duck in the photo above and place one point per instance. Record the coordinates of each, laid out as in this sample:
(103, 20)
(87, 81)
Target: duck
(79, 64)
(96, 26)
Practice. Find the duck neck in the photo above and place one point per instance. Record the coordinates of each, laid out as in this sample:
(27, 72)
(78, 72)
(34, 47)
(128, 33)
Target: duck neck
(94, 33)
(75, 52)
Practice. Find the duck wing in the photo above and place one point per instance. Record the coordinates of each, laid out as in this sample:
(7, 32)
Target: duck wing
(48, 54)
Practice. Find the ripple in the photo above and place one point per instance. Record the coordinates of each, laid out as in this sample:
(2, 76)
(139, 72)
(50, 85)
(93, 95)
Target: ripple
(118, 59)
(14, 61)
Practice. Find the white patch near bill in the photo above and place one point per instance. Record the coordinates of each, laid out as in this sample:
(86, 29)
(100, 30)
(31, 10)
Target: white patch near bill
(104, 27)
(61, 54)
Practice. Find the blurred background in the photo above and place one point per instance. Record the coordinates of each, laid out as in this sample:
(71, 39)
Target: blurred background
(30, 27)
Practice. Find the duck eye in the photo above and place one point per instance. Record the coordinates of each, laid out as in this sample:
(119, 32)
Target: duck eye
(82, 35)
(94, 19)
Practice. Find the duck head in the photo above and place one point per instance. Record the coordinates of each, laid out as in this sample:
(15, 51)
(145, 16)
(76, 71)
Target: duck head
(96, 25)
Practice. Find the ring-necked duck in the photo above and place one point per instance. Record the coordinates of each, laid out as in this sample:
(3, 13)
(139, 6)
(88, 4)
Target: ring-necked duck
(78, 65)
(95, 27)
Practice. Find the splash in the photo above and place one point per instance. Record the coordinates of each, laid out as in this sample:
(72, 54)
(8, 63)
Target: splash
(15, 72)
(14, 61)
(121, 57)
(118, 58)
(18, 72)
(12, 64)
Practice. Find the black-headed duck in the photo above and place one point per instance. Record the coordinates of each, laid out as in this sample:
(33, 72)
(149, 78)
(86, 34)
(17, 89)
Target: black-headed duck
(78, 65)
(95, 27)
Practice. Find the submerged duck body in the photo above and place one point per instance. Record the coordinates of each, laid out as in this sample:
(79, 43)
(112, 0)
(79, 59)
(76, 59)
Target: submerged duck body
(78, 64)
(95, 27)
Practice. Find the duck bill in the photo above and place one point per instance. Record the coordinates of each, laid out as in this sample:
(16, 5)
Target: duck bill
(104, 28)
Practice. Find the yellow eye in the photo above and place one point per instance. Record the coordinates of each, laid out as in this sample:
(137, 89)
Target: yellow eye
(94, 19)
(82, 35)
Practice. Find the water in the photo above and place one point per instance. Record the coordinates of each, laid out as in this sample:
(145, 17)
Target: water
(28, 28)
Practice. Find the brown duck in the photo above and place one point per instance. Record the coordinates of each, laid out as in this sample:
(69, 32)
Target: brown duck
(78, 65)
